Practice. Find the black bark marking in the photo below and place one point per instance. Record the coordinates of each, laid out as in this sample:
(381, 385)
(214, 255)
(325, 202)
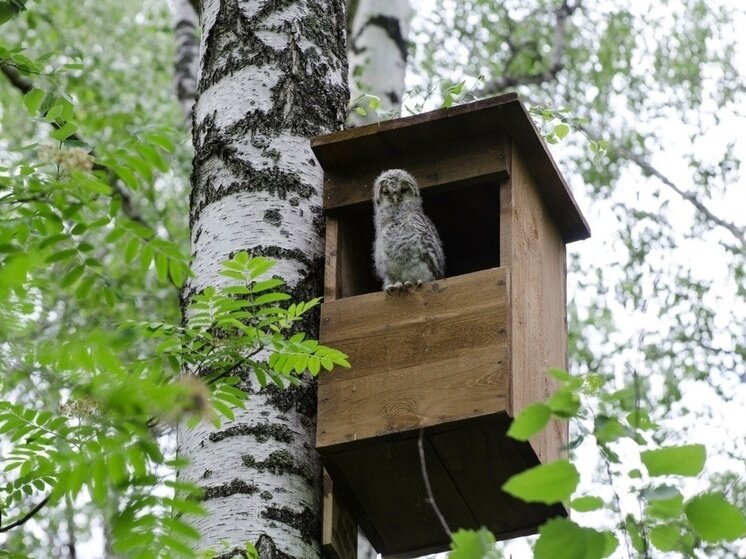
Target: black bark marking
(233, 487)
(282, 462)
(273, 217)
(267, 549)
(248, 179)
(391, 27)
(280, 253)
(300, 399)
(303, 76)
(305, 521)
(262, 432)
(233, 554)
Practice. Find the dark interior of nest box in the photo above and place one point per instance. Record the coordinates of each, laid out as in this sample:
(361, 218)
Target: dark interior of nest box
(468, 221)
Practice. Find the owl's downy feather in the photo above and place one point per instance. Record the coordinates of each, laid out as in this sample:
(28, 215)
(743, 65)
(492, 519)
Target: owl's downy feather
(407, 249)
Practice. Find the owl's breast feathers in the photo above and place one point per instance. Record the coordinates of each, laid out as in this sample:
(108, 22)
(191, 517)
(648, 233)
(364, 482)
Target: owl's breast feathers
(412, 241)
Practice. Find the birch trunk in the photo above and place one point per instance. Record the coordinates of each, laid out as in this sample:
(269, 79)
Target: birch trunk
(272, 74)
(378, 53)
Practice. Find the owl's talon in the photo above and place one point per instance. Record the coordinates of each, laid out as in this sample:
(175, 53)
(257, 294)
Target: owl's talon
(407, 285)
(418, 285)
(393, 288)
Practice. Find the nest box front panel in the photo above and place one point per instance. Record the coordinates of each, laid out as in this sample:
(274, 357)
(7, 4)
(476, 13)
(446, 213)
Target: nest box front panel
(439, 354)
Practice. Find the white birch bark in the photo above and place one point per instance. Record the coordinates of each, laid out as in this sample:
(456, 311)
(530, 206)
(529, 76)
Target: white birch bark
(378, 54)
(272, 74)
(186, 62)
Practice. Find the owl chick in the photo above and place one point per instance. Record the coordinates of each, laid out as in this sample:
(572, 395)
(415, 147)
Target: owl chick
(407, 250)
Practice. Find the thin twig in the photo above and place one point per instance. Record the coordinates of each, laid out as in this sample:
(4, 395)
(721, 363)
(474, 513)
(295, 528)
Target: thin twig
(738, 232)
(25, 518)
(428, 488)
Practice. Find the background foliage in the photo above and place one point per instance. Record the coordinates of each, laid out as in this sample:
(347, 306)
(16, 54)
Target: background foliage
(93, 249)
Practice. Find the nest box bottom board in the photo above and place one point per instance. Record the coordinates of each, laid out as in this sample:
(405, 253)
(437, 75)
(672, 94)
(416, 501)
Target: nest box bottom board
(380, 481)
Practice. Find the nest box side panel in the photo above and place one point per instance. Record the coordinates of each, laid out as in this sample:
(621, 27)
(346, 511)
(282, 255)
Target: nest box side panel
(538, 297)
(339, 530)
(420, 359)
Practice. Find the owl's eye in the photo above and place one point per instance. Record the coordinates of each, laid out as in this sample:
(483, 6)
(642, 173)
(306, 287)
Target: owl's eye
(385, 190)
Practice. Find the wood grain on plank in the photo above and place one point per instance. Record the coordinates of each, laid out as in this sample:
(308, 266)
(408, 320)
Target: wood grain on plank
(463, 161)
(538, 304)
(418, 359)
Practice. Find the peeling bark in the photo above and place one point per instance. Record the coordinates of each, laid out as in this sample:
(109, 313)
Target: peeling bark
(272, 73)
(378, 53)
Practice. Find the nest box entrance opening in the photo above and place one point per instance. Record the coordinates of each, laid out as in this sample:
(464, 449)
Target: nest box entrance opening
(465, 215)
(451, 363)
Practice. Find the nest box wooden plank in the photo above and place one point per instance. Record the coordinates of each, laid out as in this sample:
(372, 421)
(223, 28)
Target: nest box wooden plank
(444, 368)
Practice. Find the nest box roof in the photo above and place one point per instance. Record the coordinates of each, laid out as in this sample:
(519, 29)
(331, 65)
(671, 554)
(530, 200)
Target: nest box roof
(504, 113)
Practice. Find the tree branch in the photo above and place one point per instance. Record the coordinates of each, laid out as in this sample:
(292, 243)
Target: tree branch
(428, 488)
(738, 232)
(25, 518)
(24, 86)
(562, 14)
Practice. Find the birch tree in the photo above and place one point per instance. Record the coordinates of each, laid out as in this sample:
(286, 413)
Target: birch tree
(271, 75)
(378, 46)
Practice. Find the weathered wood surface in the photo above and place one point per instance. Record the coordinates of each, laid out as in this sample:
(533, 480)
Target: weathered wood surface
(418, 359)
(332, 258)
(467, 461)
(338, 528)
(538, 321)
(352, 158)
(450, 161)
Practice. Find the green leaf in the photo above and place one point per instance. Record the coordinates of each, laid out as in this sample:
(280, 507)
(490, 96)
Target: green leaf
(161, 140)
(61, 255)
(32, 100)
(545, 483)
(671, 507)
(473, 544)
(53, 113)
(714, 518)
(130, 250)
(564, 403)
(561, 130)
(531, 419)
(72, 276)
(587, 503)
(608, 429)
(161, 266)
(176, 272)
(561, 538)
(67, 130)
(666, 537)
(273, 297)
(127, 176)
(685, 460)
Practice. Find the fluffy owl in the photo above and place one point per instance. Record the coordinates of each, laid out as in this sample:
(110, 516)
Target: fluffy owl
(407, 249)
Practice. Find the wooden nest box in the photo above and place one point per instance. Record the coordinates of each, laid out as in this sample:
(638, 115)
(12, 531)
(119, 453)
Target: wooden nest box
(459, 357)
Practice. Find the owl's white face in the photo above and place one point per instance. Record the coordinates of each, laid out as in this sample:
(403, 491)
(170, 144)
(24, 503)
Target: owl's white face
(394, 187)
